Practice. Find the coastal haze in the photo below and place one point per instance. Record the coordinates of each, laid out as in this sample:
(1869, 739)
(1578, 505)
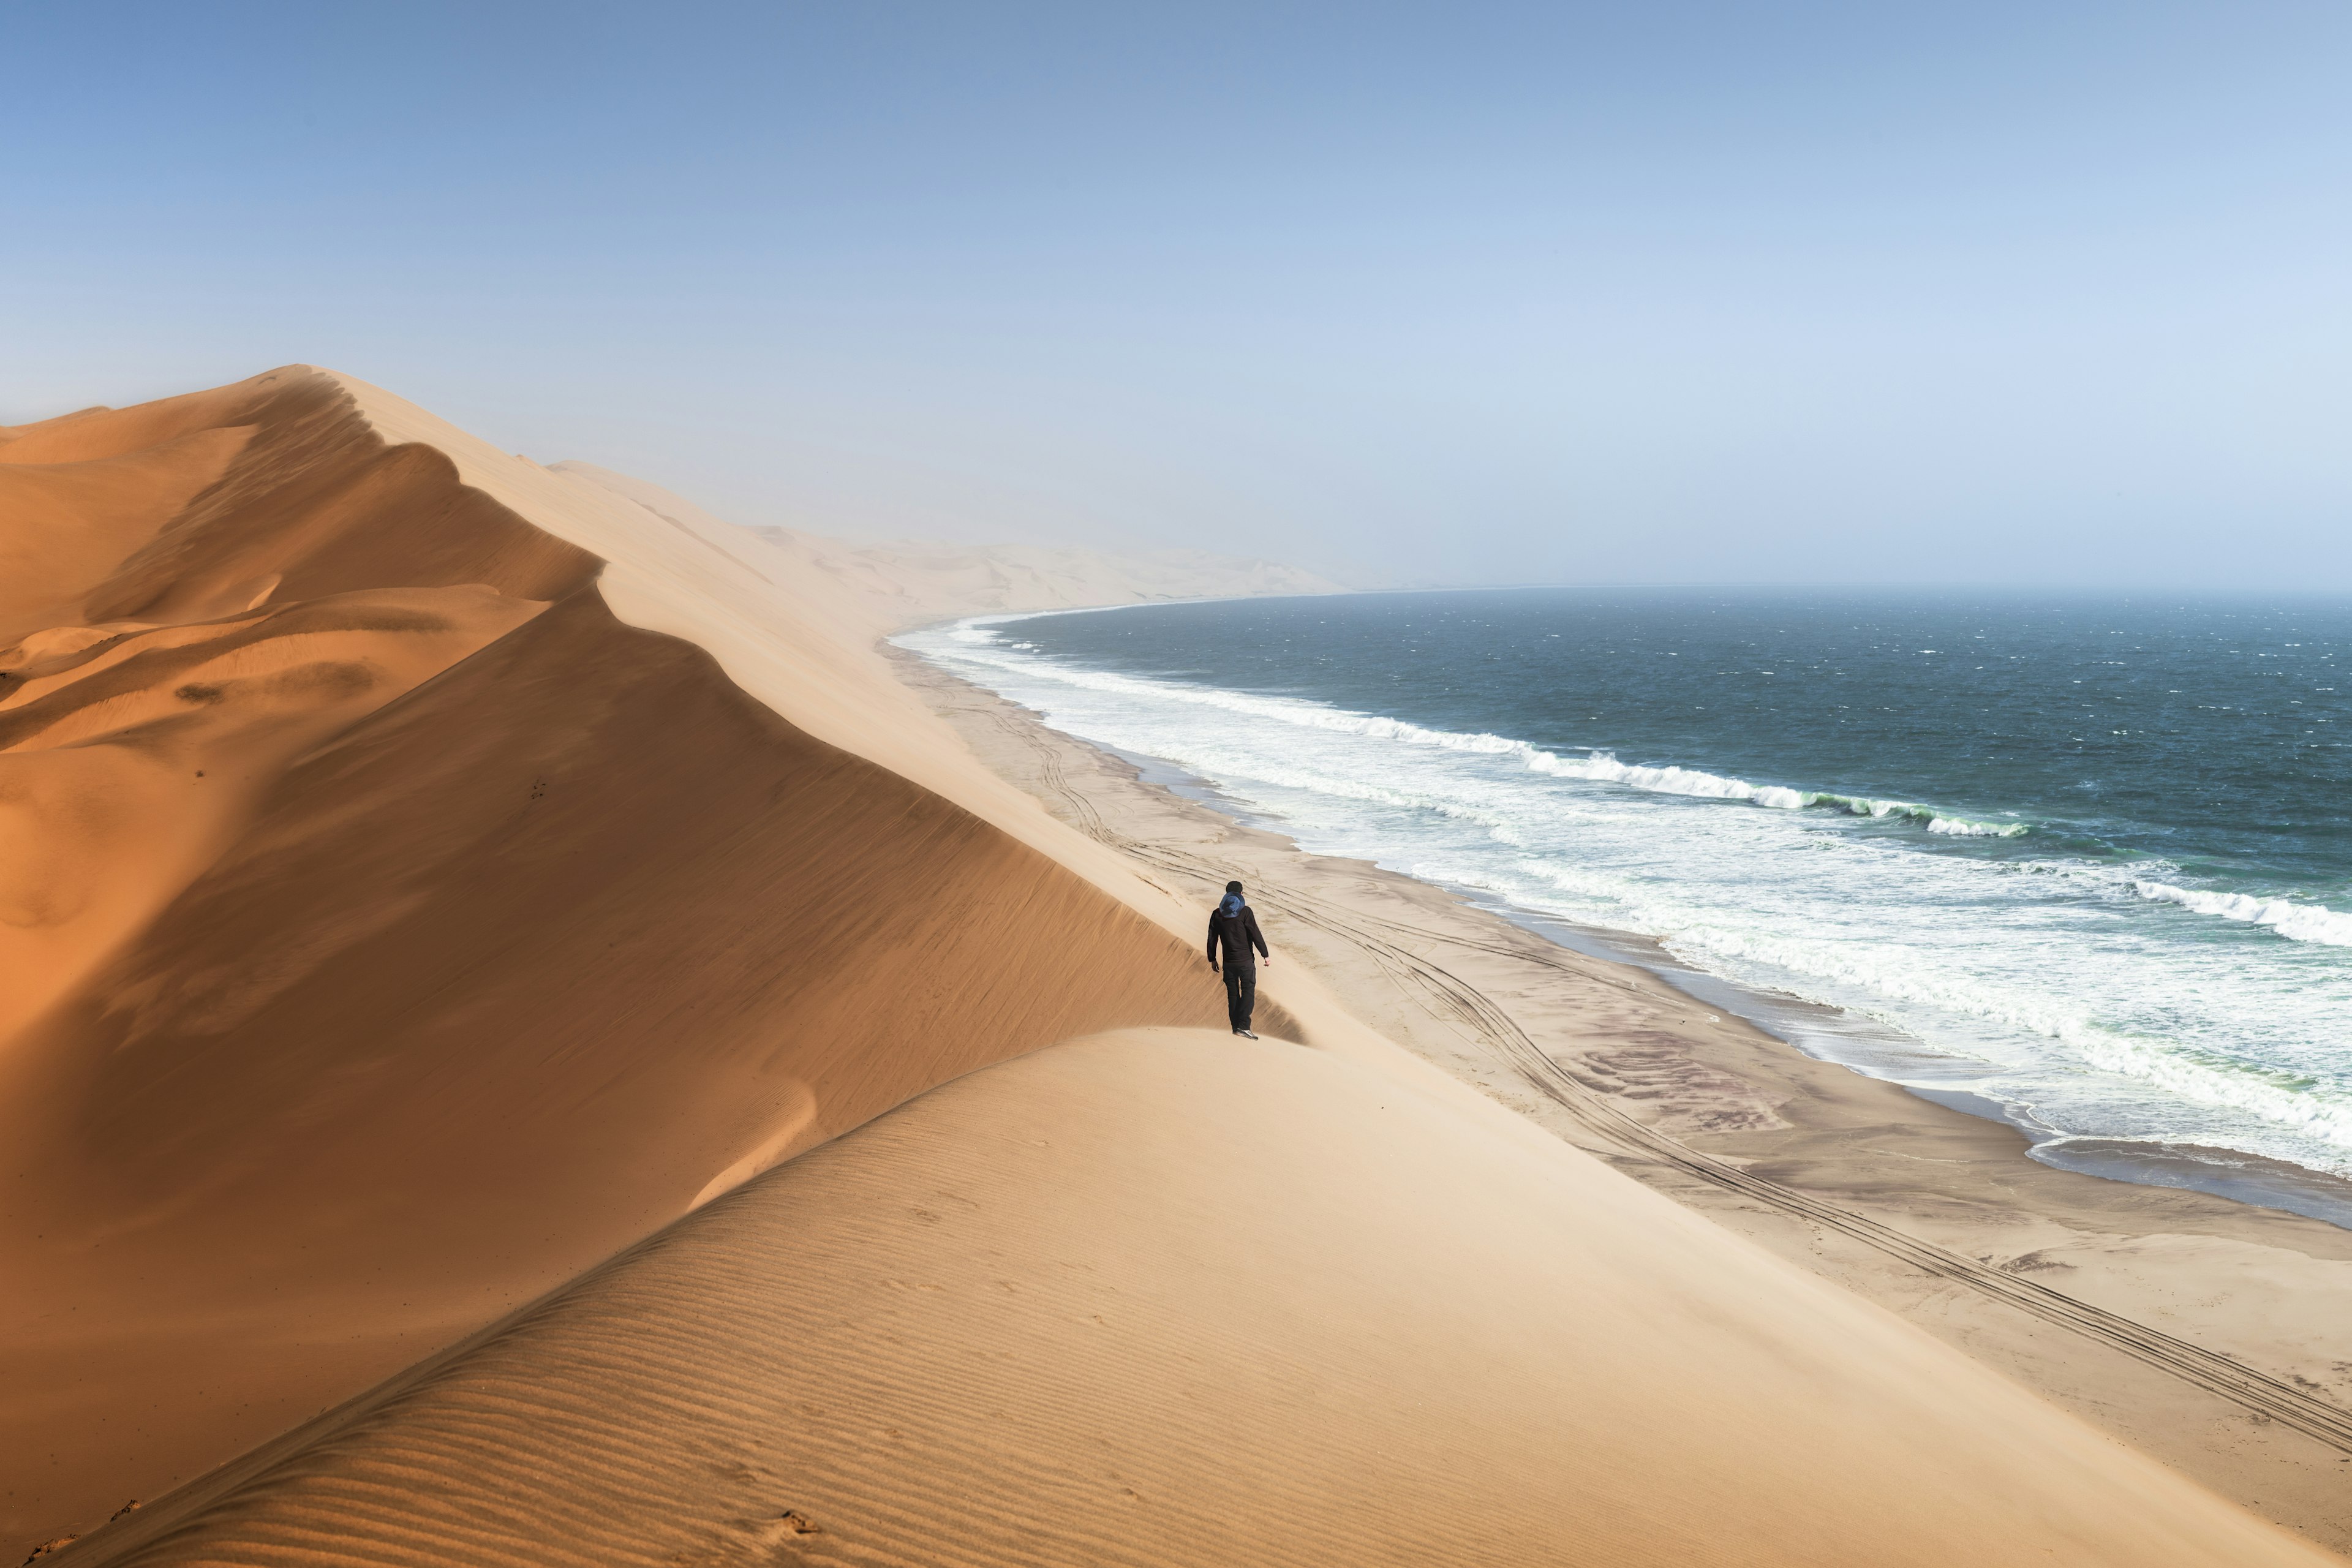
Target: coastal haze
(1402, 295)
(602, 905)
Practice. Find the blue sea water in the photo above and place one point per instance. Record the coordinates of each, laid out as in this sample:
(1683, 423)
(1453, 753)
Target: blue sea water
(2090, 858)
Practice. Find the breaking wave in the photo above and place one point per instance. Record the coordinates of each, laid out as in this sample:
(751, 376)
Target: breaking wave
(2012, 975)
(977, 640)
(2296, 922)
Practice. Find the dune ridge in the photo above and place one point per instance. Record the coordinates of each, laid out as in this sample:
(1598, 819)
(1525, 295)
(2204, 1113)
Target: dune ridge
(438, 934)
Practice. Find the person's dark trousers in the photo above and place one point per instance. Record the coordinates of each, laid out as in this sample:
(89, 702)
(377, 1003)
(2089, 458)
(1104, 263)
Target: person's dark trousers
(1240, 992)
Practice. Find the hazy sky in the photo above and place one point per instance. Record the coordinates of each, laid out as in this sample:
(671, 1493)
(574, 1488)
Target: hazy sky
(1458, 292)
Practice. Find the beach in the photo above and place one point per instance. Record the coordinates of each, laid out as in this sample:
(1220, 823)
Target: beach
(1959, 1231)
(559, 1047)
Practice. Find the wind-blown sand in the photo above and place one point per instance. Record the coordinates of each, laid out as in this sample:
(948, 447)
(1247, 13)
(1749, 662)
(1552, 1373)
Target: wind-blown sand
(485, 870)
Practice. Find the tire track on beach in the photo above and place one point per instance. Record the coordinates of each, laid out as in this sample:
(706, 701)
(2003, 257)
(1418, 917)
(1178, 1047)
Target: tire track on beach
(2266, 1397)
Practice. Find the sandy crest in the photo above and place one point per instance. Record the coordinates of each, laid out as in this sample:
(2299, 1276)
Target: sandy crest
(1166, 1297)
(788, 636)
(393, 933)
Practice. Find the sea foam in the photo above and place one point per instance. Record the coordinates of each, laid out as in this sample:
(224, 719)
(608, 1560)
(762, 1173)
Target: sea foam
(2015, 970)
(978, 640)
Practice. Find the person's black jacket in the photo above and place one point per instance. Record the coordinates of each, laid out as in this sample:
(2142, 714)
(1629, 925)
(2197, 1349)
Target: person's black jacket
(1239, 934)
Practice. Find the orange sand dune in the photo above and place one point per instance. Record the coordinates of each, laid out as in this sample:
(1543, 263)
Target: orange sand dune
(391, 933)
(64, 525)
(132, 762)
(1166, 1298)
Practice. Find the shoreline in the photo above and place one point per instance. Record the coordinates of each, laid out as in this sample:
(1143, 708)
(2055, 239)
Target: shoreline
(1813, 1029)
(1825, 1031)
(2099, 1294)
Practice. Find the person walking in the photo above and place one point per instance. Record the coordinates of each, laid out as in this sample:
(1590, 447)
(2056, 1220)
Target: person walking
(1234, 924)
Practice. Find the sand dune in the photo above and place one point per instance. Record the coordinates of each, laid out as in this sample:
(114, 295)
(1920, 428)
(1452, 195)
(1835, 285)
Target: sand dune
(135, 761)
(482, 869)
(65, 524)
(1167, 1298)
(413, 937)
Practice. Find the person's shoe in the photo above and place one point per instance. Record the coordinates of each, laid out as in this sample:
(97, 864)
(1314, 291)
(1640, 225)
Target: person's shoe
(1245, 1034)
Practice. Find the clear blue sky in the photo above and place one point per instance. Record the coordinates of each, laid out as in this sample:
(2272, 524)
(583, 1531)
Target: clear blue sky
(2050, 294)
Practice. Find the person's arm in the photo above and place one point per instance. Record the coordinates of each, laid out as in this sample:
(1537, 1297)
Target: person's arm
(1212, 939)
(1257, 938)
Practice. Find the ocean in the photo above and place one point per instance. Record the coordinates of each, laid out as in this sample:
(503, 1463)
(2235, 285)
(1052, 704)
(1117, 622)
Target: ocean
(2083, 863)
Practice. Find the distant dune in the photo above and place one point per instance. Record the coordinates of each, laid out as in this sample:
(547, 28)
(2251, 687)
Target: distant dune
(912, 580)
(424, 875)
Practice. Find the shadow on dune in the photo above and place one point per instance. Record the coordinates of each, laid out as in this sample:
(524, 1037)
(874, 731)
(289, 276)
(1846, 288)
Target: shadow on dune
(444, 935)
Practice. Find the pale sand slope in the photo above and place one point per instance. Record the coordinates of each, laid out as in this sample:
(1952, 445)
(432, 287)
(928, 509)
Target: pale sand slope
(387, 933)
(2206, 1333)
(1166, 1298)
(912, 581)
